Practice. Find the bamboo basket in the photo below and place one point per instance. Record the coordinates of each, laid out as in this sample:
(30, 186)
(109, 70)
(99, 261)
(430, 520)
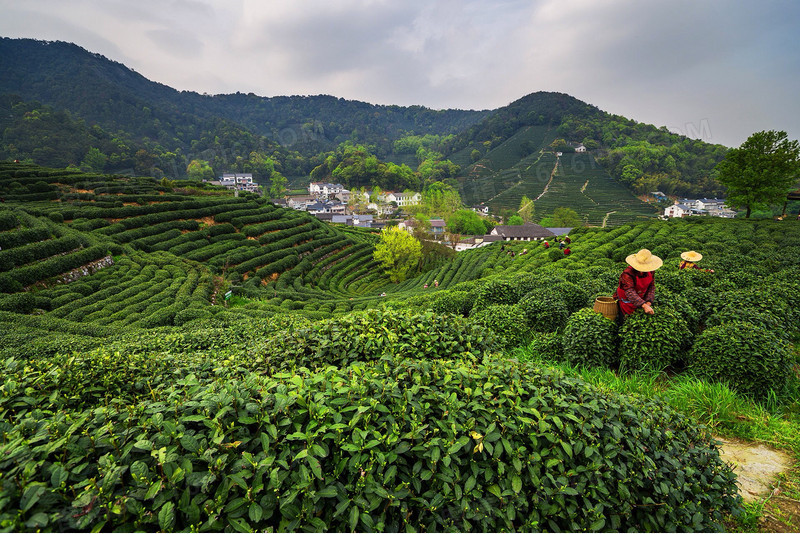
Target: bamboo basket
(607, 306)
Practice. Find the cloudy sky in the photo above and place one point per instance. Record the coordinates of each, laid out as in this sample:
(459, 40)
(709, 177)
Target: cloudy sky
(715, 70)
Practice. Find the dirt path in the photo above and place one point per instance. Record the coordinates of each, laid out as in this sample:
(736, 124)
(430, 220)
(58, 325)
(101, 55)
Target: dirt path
(605, 219)
(757, 468)
(547, 185)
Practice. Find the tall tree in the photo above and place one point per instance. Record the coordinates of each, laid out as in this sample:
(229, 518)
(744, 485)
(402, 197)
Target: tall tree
(566, 217)
(761, 171)
(398, 252)
(277, 185)
(526, 209)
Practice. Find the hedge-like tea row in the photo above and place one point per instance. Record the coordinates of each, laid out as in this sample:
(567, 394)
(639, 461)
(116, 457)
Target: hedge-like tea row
(391, 445)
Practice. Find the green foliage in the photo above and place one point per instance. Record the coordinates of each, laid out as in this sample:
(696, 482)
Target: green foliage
(453, 301)
(506, 321)
(467, 222)
(373, 334)
(499, 291)
(545, 346)
(219, 449)
(398, 252)
(566, 218)
(590, 339)
(761, 171)
(749, 359)
(544, 310)
(653, 342)
(191, 314)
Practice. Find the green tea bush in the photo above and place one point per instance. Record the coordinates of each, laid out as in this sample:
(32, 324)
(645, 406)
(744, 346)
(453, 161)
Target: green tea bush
(544, 310)
(497, 291)
(653, 342)
(680, 303)
(506, 321)
(574, 296)
(451, 301)
(191, 314)
(18, 302)
(372, 334)
(546, 346)
(386, 446)
(7, 221)
(749, 359)
(590, 339)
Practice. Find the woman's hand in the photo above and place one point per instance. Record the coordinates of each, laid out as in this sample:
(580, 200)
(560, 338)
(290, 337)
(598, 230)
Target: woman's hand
(648, 308)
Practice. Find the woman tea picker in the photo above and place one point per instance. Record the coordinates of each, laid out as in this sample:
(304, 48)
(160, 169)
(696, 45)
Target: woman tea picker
(636, 286)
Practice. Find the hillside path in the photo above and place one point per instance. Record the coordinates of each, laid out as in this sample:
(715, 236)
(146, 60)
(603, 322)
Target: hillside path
(605, 219)
(547, 185)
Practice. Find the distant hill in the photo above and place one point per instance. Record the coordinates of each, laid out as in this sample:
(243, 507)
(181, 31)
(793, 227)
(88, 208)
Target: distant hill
(110, 94)
(101, 116)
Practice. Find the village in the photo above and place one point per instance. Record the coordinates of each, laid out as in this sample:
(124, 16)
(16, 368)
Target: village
(333, 203)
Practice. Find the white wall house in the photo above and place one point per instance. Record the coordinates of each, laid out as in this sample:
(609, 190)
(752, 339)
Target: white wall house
(402, 199)
(678, 210)
(239, 181)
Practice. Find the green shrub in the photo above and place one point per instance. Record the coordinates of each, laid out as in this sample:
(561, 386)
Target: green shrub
(506, 321)
(191, 314)
(679, 303)
(574, 297)
(450, 301)
(653, 342)
(544, 310)
(376, 333)
(590, 339)
(546, 346)
(497, 292)
(56, 217)
(388, 446)
(18, 303)
(7, 221)
(763, 320)
(750, 360)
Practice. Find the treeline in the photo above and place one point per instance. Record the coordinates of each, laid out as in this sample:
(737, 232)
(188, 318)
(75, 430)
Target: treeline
(646, 158)
(356, 166)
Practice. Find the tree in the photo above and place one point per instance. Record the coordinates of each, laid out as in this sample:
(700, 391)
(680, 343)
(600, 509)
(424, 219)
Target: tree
(526, 209)
(515, 220)
(199, 169)
(94, 161)
(398, 252)
(566, 217)
(466, 222)
(761, 171)
(277, 186)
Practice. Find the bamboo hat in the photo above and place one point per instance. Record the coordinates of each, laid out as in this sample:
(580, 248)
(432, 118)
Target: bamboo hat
(644, 261)
(692, 256)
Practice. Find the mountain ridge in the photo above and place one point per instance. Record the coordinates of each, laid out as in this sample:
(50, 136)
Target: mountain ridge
(149, 127)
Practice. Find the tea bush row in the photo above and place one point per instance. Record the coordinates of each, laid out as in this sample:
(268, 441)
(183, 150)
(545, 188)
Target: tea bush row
(389, 445)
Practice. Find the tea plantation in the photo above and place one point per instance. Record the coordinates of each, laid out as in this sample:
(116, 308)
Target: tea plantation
(136, 397)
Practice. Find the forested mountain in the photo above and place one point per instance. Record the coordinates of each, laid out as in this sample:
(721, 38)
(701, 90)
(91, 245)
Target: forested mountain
(108, 93)
(62, 105)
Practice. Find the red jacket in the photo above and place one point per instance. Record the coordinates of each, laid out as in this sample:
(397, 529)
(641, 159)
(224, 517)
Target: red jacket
(633, 290)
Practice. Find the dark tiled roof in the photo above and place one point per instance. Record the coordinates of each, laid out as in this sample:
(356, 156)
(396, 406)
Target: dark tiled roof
(530, 230)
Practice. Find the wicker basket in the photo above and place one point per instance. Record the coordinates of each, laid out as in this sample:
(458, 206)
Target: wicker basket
(607, 306)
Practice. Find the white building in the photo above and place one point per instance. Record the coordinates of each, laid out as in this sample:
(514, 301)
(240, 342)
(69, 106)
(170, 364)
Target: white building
(678, 210)
(324, 189)
(402, 199)
(239, 181)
